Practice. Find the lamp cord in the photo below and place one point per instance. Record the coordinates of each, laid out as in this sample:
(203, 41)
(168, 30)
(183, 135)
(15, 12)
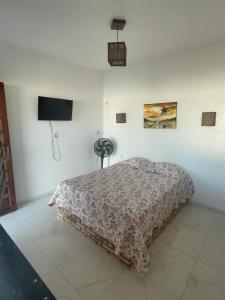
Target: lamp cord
(53, 145)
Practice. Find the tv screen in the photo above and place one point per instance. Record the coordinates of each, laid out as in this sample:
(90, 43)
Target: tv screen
(53, 109)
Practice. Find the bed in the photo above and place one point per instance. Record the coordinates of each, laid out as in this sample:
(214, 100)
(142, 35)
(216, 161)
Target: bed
(123, 207)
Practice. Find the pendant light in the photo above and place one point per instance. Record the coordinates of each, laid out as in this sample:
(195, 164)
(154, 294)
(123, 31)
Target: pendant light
(117, 51)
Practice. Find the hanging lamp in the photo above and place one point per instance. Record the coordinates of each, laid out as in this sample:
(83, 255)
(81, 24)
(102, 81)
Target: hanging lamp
(117, 51)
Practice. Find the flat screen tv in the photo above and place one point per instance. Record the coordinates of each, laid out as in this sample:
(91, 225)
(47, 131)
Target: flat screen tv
(53, 109)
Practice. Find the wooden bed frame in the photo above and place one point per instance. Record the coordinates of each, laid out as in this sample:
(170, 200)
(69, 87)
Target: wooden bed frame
(67, 217)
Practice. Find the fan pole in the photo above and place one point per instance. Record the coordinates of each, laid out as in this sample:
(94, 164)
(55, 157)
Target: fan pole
(102, 158)
(101, 162)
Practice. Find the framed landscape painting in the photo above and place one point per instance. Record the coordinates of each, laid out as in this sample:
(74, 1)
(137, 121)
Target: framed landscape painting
(160, 115)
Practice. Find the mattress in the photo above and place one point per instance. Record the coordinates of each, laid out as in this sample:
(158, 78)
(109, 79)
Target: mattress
(124, 203)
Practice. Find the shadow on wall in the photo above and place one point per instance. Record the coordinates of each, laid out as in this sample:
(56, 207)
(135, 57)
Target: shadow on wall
(15, 121)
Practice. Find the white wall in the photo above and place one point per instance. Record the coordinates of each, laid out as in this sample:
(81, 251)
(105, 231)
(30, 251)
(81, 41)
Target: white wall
(27, 75)
(196, 80)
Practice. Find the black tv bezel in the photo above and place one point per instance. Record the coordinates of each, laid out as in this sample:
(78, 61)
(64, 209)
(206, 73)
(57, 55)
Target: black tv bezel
(53, 98)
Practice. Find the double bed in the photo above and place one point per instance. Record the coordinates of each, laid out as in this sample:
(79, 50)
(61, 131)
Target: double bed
(125, 206)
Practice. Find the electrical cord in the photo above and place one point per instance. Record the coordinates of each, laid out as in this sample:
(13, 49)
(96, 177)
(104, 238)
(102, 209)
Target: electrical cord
(53, 145)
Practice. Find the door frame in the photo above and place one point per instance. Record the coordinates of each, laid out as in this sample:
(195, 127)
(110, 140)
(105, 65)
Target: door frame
(7, 150)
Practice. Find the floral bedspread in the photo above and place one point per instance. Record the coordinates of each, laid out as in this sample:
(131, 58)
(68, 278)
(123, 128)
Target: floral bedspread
(125, 202)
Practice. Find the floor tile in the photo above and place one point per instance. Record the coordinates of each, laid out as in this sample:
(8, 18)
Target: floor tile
(51, 226)
(90, 265)
(125, 287)
(95, 290)
(184, 238)
(170, 268)
(195, 217)
(28, 210)
(38, 259)
(205, 284)
(17, 234)
(59, 247)
(60, 287)
(217, 228)
(110, 267)
(155, 292)
(213, 252)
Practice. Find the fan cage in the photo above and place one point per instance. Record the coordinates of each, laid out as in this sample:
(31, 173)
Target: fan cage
(103, 143)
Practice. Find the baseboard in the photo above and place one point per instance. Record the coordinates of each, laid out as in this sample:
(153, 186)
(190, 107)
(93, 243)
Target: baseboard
(19, 202)
(192, 202)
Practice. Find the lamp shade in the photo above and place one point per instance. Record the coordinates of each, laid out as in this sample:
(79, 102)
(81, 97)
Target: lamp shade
(117, 54)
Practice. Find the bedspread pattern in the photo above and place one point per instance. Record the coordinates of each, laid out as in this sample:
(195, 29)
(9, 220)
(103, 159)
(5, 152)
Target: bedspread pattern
(125, 202)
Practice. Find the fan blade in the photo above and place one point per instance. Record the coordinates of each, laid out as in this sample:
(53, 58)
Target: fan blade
(98, 148)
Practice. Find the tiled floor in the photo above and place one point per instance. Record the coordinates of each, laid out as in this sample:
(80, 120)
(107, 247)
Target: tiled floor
(187, 259)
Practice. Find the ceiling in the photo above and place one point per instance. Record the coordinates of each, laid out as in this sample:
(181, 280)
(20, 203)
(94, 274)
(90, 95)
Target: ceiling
(78, 30)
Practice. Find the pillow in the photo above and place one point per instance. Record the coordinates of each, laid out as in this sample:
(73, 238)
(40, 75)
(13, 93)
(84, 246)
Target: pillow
(138, 162)
(167, 169)
(160, 168)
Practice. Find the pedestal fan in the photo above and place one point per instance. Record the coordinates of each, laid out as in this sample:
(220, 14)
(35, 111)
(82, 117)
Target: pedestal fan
(103, 148)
